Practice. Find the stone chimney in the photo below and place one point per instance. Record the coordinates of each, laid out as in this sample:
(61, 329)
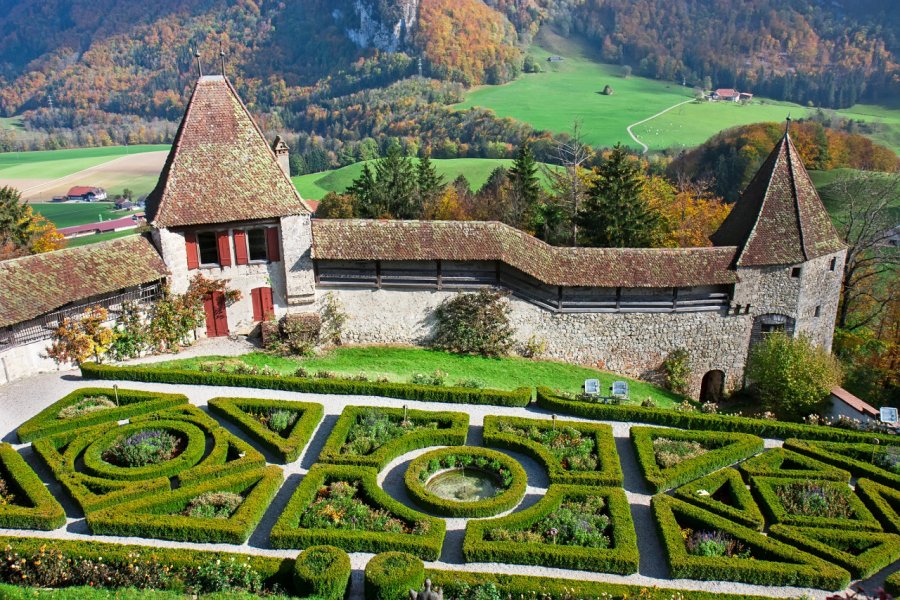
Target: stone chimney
(281, 151)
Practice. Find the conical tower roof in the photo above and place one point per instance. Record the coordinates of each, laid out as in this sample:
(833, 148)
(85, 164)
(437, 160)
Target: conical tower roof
(779, 218)
(220, 168)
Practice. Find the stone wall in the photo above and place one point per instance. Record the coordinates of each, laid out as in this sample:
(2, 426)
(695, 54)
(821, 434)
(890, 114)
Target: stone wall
(296, 254)
(634, 344)
(24, 361)
(820, 287)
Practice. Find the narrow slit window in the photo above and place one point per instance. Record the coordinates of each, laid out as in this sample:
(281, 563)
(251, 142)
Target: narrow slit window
(819, 310)
(209, 248)
(833, 265)
(795, 272)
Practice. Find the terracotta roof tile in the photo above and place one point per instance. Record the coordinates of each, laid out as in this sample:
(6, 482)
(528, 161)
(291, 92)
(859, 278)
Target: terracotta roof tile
(220, 168)
(779, 218)
(359, 239)
(35, 285)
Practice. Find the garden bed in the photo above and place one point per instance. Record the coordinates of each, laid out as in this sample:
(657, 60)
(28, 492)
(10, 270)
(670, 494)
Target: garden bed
(24, 501)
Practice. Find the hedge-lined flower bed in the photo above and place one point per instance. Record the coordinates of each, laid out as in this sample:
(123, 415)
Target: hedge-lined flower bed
(861, 553)
(316, 515)
(716, 450)
(260, 418)
(723, 492)
(131, 403)
(374, 436)
(869, 460)
(24, 501)
(779, 462)
(509, 474)
(162, 516)
(552, 533)
(702, 421)
(810, 503)
(572, 452)
(403, 391)
(883, 501)
(770, 562)
(322, 571)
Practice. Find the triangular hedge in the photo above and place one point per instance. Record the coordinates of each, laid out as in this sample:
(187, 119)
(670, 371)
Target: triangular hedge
(621, 557)
(779, 462)
(726, 495)
(288, 447)
(287, 532)
(607, 473)
(724, 448)
(883, 501)
(157, 516)
(863, 553)
(854, 457)
(764, 489)
(32, 507)
(772, 563)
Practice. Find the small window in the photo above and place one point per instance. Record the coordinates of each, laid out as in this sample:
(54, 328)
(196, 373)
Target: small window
(833, 264)
(795, 272)
(209, 248)
(819, 310)
(256, 241)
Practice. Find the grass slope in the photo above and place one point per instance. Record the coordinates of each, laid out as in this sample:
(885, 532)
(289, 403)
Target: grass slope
(400, 363)
(66, 214)
(99, 237)
(50, 164)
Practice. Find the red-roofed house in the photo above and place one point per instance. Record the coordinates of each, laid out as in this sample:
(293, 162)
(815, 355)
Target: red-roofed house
(86, 193)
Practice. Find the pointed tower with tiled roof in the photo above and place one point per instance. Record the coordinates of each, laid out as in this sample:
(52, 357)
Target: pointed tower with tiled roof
(779, 219)
(220, 167)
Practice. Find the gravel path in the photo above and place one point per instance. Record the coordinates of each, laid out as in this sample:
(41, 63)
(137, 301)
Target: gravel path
(21, 400)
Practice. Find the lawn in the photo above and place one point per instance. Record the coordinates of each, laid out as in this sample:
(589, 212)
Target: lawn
(98, 237)
(50, 164)
(67, 214)
(400, 363)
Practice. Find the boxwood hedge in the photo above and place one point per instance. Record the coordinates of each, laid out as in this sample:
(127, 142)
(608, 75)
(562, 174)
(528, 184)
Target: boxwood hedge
(855, 457)
(883, 501)
(764, 489)
(773, 562)
(892, 584)
(621, 557)
(33, 507)
(288, 448)
(322, 571)
(607, 473)
(421, 468)
(287, 532)
(158, 515)
(706, 492)
(696, 420)
(863, 553)
(780, 462)
(131, 403)
(452, 429)
(403, 391)
(391, 575)
(724, 448)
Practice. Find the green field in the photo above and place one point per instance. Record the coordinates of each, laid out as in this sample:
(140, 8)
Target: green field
(98, 237)
(477, 170)
(52, 164)
(570, 90)
(400, 363)
(67, 214)
(12, 123)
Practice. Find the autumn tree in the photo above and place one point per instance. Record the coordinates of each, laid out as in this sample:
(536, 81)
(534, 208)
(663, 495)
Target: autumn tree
(569, 184)
(44, 236)
(688, 216)
(335, 206)
(77, 340)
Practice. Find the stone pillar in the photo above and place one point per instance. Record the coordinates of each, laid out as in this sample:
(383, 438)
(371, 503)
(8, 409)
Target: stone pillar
(172, 248)
(296, 253)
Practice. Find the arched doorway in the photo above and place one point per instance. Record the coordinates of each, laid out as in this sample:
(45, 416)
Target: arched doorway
(712, 387)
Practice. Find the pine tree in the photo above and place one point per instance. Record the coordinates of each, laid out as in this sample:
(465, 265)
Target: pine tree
(525, 188)
(15, 223)
(614, 214)
(430, 184)
(363, 191)
(395, 186)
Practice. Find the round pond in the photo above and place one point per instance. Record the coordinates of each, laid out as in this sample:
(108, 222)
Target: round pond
(463, 485)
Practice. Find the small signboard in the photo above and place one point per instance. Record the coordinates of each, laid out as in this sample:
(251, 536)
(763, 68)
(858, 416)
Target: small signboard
(889, 415)
(620, 389)
(592, 386)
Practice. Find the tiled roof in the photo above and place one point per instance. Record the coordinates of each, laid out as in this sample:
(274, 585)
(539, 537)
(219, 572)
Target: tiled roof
(359, 239)
(220, 168)
(779, 219)
(35, 285)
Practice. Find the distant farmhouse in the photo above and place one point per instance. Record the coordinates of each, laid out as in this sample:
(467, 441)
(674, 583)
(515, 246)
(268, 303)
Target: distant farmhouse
(225, 207)
(729, 95)
(86, 193)
(121, 224)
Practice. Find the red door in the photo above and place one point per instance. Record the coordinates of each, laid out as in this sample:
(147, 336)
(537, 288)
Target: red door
(216, 316)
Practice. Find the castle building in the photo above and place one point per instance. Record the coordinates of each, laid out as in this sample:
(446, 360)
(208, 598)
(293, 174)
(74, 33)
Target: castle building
(225, 208)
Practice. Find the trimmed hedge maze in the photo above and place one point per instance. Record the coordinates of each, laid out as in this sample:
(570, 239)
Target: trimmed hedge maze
(24, 501)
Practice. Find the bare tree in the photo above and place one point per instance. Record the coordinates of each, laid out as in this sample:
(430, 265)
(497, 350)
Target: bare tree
(569, 184)
(866, 224)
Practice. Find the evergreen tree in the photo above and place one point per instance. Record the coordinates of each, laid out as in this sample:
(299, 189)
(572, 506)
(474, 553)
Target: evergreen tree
(614, 214)
(430, 184)
(525, 187)
(363, 192)
(15, 223)
(395, 186)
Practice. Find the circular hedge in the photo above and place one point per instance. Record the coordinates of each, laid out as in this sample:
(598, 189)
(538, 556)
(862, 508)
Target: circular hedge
(322, 571)
(390, 575)
(195, 447)
(507, 471)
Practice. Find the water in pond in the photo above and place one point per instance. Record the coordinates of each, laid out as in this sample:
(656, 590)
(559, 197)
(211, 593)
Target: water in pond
(463, 485)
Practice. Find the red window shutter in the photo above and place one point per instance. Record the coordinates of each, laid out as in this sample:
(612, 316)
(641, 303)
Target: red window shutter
(193, 254)
(272, 244)
(224, 242)
(241, 256)
(268, 308)
(256, 297)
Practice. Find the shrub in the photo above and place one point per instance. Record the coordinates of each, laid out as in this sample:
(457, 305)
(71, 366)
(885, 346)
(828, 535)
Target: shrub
(535, 347)
(678, 372)
(812, 503)
(322, 571)
(297, 334)
(779, 462)
(25, 503)
(145, 447)
(861, 553)
(390, 576)
(724, 493)
(713, 543)
(226, 576)
(883, 501)
(333, 319)
(437, 378)
(85, 406)
(669, 453)
(892, 584)
(792, 376)
(213, 505)
(475, 323)
(862, 460)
